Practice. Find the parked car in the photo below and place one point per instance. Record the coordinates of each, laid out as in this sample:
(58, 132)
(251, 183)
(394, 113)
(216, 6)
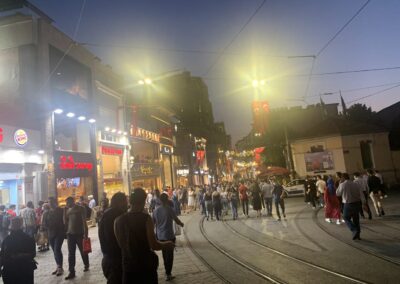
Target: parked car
(295, 187)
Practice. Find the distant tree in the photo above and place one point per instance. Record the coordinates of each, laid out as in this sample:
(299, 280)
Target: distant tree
(360, 112)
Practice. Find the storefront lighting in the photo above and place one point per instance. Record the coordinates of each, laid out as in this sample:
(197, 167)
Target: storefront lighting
(41, 152)
(120, 132)
(70, 114)
(114, 130)
(125, 133)
(141, 82)
(58, 111)
(92, 120)
(107, 128)
(81, 118)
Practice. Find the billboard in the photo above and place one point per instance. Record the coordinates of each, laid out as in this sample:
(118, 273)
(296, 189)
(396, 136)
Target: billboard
(319, 161)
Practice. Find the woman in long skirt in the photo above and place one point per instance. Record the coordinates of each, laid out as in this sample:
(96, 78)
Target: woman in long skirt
(256, 198)
(332, 204)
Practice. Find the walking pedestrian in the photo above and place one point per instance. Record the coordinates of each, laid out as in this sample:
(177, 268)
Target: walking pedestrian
(374, 185)
(28, 215)
(216, 203)
(351, 198)
(208, 204)
(365, 190)
(3, 228)
(175, 201)
(244, 198)
(332, 205)
(277, 196)
(77, 230)
(267, 195)
(134, 232)
(256, 198)
(112, 258)
(53, 220)
(311, 191)
(233, 197)
(191, 199)
(163, 218)
(321, 185)
(17, 255)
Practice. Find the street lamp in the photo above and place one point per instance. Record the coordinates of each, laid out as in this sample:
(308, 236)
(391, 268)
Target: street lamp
(256, 83)
(145, 81)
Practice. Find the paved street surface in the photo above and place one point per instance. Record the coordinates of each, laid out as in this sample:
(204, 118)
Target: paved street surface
(304, 234)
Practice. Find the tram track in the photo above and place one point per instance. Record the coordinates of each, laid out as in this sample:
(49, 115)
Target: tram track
(365, 250)
(263, 275)
(299, 260)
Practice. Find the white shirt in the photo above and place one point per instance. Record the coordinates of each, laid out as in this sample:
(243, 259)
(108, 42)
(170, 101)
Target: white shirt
(92, 203)
(321, 184)
(267, 190)
(350, 192)
(363, 183)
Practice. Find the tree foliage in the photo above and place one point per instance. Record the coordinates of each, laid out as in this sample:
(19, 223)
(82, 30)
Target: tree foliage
(360, 112)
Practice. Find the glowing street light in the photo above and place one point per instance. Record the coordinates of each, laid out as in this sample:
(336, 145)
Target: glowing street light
(70, 114)
(58, 111)
(145, 81)
(256, 83)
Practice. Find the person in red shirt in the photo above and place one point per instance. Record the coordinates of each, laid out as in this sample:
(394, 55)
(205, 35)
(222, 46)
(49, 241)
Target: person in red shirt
(11, 211)
(244, 198)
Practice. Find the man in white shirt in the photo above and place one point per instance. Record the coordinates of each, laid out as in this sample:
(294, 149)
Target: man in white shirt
(321, 185)
(352, 199)
(358, 179)
(92, 202)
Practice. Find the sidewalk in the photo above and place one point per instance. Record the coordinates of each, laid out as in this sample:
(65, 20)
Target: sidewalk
(187, 267)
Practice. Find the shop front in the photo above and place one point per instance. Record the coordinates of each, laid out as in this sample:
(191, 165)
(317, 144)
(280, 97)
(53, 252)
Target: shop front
(21, 160)
(75, 175)
(113, 156)
(167, 163)
(145, 159)
(182, 176)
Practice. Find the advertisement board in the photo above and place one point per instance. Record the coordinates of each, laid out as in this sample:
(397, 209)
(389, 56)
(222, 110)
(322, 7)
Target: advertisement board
(319, 161)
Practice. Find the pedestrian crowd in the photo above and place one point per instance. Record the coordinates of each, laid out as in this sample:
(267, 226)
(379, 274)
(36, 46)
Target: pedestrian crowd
(131, 228)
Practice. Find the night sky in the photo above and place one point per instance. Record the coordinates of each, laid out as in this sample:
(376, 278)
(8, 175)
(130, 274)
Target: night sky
(281, 28)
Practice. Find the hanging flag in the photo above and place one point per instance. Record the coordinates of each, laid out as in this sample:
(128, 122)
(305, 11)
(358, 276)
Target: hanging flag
(344, 108)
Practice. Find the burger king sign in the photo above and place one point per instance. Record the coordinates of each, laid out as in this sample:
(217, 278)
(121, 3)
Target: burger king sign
(21, 137)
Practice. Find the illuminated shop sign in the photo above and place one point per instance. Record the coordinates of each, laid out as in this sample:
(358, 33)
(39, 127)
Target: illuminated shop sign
(106, 150)
(166, 150)
(73, 164)
(1, 135)
(143, 170)
(20, 137)
(182, 172)
(145, 134)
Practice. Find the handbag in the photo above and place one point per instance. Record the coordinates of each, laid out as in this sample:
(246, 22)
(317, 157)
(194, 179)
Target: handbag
(41, 238)
(86, 245)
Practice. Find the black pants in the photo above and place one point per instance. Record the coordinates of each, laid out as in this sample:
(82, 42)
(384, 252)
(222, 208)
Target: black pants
(313, 197)
(168, 257)
(140, 277)
(112, 269)
(280, 203)
(245, 206)
(14, 275)
(73, 242)
(56, 243)
(352, 218)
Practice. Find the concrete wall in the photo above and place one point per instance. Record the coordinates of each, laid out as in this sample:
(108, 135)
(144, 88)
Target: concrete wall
(301, 147)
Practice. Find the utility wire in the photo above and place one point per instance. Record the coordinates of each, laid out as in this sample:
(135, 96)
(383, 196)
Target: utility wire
(353, 71)
(309, 78)
(71, 45)
(342, 28)
(234, 38)
(373, 94)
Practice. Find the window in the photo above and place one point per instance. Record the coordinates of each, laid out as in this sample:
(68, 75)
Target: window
(366, 154)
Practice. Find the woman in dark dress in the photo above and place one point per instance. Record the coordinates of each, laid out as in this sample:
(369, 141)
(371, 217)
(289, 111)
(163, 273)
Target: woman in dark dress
(256, 200)
(216, 202)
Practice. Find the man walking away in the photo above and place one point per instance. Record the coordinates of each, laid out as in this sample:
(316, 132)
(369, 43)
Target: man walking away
(374, 185)
(208, 204)
(112, 258)
(29, 216)
(234, 199)
(17, 255)
(53, 220)
(163, 218)
(267, 189)
(244, 199)
(277, 196)
(352, 199)
(364, 187)
(77, 230)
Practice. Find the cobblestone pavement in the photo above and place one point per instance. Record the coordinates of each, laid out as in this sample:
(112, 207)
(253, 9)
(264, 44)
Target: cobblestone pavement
(187, 267)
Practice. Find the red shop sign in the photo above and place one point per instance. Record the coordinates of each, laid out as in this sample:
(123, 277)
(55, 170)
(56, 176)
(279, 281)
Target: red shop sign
(73, 164)
(111, 151)
(1, 135)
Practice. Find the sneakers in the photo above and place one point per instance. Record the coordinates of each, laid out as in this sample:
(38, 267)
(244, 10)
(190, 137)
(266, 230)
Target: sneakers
(169, 278)
(328, 220)
(86, 269)
(70, 276)
(54, 272)
(337, 222)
